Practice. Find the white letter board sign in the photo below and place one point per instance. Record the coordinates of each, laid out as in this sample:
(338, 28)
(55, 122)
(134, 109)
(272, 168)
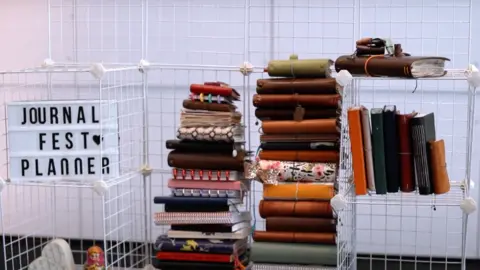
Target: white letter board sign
(62, 140)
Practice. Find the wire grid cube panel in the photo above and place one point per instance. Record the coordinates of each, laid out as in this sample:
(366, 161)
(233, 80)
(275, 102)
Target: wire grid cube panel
(412, 227)
(85, 31)
(35, 212)
(167, 88)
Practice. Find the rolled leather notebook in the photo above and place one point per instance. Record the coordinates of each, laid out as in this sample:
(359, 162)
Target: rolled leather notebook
(440, 179)
(292, 101)
(304, 68)
(206, 162)
(317, 126)
(299, 192)
(297, 224)
(299, 138)
(293, 253)
(289, 114)
(217, 107)
(390, 66)
(298, 86)
(291, 171)
(214, 89)
(301, 209)
(295, 237)
(327, 156)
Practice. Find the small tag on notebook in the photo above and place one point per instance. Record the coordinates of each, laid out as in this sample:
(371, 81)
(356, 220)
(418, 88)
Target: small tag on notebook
(299, 113)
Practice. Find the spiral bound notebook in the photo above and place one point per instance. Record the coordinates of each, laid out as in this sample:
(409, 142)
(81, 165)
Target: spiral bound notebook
(212, 193)
(240, 234)
(206, 175)
(163, 218)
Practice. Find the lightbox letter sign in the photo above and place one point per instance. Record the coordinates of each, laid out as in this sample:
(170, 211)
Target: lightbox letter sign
(62, 140)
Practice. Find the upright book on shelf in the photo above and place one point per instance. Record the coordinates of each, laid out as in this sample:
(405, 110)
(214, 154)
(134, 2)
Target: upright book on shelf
(358, 157)
(423, 131)
(391, 148)
(378, 147)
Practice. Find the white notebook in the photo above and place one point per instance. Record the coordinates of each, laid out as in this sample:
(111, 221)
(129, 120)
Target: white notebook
(367, 143)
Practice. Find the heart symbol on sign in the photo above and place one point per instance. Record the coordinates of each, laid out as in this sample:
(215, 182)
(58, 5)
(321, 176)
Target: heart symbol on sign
(56, 255)
(97, 139)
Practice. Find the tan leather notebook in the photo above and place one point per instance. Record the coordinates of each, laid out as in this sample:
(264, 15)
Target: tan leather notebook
(358, 155)
(438, 165)
(367, 143)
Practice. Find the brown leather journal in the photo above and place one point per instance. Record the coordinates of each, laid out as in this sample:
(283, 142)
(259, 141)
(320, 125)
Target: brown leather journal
(357, 147)
(298, 86)
(294, 224)
(407, 173)
(289, 114)
(211, 161)
(312, 209)
(331, 156)
(438, 165)
(391, 66)
(291, 101)
(299, 138)
(317, 126)
(198, 105)
(295, 237)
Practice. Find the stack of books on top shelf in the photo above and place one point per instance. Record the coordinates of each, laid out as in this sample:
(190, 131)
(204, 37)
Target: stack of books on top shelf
(390, 150)
(208, 231)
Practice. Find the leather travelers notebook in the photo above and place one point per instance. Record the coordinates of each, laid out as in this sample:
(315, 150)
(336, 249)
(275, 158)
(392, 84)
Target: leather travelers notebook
(298, 86)
(438, 165)
(423, 131)
(214, 89)
(391, 148)
(327, 156)
(289, 114)
(299, 191)
(207, 106)
(358, 157)
(194, 257)
(299, 138)
(204, 227)
(308, 209)
(294, 253)
(367, 151)
(378, 150)
(317, 126)
(389, 66)
(199, 147)
(196, 208)
(176, 265)
(299, 146)
(191, 201)
(407, 172)
(297, 224)
(292, 101)
(226, 246)
(220, 185)
(200, 118)
(295, 237)
(212, 161)
(294, 171)
(300, 68)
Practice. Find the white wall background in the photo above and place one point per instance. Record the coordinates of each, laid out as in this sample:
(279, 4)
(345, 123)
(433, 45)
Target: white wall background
(212, 32)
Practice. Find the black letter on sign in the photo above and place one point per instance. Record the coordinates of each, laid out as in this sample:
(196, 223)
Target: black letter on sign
(78, 166)
(33, 115)
(94, 119)
(81, 115)
(68, 137)
(53, 115)
(55, 141)
(51, 167)
(24, 121)
(67, 115)
(42, 115)
(64, 166)
(37, 173)
(105, 165)
(41, 140)
(91, 164)
(25, 166)
(85, 134)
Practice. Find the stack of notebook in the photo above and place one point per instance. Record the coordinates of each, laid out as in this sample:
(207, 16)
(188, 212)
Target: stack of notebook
(394, 152)
(300, 145)
(208, 231)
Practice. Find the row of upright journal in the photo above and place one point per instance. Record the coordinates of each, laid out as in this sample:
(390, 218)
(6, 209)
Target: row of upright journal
(394, 152)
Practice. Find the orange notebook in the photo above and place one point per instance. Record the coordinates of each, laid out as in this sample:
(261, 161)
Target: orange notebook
(299, 191)
(358, 157)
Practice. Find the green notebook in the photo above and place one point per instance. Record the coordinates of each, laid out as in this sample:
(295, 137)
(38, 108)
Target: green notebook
(378, 151)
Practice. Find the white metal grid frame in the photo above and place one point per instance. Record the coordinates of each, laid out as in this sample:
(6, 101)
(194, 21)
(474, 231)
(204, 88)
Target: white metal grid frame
(408, 227)
(111, 211)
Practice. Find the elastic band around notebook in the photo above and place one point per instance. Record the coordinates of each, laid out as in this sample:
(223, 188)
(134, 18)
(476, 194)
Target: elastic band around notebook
(367, 61)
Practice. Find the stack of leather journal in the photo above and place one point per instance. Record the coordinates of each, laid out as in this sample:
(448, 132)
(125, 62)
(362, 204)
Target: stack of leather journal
(300, 127)
(394, 152)
(208, 231)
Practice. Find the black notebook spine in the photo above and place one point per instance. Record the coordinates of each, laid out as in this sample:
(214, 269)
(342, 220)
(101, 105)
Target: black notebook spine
(423, 131)
(392, 162)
